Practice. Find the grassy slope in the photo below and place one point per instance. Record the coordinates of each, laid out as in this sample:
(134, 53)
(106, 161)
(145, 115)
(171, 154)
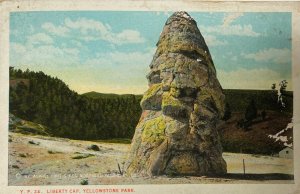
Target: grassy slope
(255, 140)
(27, 127)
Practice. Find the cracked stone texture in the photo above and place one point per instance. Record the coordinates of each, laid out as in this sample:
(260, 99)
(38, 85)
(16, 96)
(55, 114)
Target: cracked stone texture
(177, 134)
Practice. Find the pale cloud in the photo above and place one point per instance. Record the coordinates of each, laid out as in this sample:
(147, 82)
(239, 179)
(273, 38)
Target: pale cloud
(86, 25)
(39, 38)
(118, 72)
(55, 30)
(250, 79)
(34, 56)
(231, 30)
(230, 17)
(39, 50)
(125, 36)
(76, 43)
(71, 51)
(212, 41)
(92, 30)
(121, 60)
(17, 48)
(111, 72)
(31, 28)
(234, 58)
(279, 56)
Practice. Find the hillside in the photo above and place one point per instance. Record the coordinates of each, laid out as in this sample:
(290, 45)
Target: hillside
(264, 99)
(237, 99)
(96, 95)
(49, 102)
(254, 140)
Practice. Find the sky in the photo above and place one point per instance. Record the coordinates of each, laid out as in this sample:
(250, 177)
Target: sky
(110, 51)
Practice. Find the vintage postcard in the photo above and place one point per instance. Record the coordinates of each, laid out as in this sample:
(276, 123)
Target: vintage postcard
(149, 97)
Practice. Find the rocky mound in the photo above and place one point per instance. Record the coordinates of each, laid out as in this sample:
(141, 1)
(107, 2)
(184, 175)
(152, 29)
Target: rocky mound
(18, 125)
(176, 134)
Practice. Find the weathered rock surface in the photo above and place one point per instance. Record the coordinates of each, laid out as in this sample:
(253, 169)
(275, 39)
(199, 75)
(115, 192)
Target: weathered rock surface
(93, 147)
(177, 134)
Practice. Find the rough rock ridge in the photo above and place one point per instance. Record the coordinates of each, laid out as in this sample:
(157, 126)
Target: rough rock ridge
(176, 134)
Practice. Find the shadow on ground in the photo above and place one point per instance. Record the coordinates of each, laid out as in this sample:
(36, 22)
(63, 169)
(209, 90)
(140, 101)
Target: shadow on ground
(269, 176)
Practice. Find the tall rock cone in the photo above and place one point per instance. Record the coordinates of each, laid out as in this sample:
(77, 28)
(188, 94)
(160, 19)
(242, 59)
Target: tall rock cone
(177, 134)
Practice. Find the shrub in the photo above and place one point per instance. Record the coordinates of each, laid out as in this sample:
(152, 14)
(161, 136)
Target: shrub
(227, 113)
(251, 111)
(84, 182)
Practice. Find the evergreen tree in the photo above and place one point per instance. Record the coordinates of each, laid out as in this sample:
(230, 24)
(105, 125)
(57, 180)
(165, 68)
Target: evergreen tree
(50, 102)
(263, 115)
(251, 111)
(227, 113)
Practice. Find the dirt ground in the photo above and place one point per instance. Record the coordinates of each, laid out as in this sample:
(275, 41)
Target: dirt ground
(39, 160)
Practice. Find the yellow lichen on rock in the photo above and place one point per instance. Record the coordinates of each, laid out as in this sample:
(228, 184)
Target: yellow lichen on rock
(177, 131)
(169, 100)
(152, 99)
(154, 130)
(151, 91)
